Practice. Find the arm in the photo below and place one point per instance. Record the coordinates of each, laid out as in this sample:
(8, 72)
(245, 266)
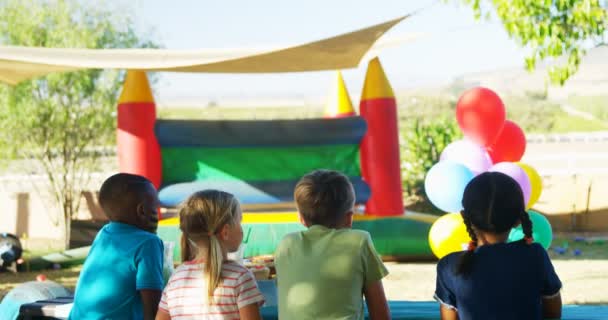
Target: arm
(552, 307)
(376, 301)
(149, 276)
(149, 301)
(250, 312)
(448, 313)
(162, 315)
(444, 294)
(249, 297)
(374, 271)
(551, 298)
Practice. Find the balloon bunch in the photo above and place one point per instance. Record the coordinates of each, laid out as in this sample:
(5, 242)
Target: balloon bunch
(491, 143)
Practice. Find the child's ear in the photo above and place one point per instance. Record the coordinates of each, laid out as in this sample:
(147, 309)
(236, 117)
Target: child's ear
(140, 210)
(223, 233)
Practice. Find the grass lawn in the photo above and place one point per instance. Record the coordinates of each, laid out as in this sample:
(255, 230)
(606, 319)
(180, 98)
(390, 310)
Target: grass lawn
(66, 277)
(566, 123)
(578, 249)
(595, 105)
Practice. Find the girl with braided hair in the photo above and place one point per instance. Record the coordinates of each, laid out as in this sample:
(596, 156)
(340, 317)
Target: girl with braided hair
(494, 279)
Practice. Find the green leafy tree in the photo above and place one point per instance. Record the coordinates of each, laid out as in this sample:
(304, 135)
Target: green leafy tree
(559, 30)
(426, 129)
(420, 149)
(57, 119)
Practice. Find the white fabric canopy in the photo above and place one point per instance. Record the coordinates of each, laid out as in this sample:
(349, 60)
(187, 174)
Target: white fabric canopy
(339, 52)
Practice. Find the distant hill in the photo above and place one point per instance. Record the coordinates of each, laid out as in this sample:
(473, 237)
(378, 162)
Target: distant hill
(590, 80)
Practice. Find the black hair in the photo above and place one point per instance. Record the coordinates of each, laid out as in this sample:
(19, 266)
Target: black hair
(324, 197)
(492, 202)
(121, 193)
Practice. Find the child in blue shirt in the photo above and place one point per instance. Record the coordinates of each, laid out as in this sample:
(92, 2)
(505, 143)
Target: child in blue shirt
(122, 275)
(494, 279)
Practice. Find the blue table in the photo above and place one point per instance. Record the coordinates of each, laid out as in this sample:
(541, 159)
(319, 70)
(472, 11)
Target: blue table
(400, 310)
(429, 310)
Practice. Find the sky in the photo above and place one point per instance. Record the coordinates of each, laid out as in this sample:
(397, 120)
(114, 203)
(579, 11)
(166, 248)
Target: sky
(453, 42)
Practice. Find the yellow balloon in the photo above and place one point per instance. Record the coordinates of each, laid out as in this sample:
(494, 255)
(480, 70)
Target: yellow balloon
(536, 184)
(448, 234)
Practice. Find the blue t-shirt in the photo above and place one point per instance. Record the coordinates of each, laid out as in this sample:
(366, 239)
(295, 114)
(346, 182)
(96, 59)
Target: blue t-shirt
(123, 260)
(508, 281)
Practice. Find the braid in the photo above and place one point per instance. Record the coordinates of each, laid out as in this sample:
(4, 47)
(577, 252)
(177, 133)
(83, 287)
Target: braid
(526, 225)
(465, 265)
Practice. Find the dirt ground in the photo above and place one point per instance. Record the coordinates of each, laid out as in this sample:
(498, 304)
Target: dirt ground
(584, 281)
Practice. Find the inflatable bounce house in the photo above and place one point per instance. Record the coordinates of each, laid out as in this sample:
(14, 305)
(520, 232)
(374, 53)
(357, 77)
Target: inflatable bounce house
(261, 161)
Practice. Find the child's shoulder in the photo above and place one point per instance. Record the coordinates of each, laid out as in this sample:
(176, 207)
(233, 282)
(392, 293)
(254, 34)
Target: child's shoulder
(449, 260)
(539, 252)
(233, 269)
(351, 234)
(124, 230)
(233, 266)
(148, 240)
(228, 266)
(355, 233)
(189, 266)
(130, 237)
(521, 248)
(359, 236)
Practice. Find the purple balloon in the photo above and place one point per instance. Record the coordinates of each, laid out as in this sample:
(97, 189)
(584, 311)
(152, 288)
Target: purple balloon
(516, 172)
(469, 154)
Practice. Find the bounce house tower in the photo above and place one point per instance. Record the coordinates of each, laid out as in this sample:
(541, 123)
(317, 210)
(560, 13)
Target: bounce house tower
(380, 164)
(138, 149)
(338, 102)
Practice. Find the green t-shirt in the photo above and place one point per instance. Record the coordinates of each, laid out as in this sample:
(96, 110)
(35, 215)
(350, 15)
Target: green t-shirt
(321, 273)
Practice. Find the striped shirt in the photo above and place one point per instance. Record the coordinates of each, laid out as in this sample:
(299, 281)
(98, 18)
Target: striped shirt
(184, 295)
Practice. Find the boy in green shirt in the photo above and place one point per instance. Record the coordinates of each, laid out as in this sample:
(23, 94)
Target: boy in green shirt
(324, 271)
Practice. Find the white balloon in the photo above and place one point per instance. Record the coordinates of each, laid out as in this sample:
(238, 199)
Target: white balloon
(469, 154)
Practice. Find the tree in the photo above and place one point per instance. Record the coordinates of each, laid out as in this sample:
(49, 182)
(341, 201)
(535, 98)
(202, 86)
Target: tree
(57, 119)
(556, 30)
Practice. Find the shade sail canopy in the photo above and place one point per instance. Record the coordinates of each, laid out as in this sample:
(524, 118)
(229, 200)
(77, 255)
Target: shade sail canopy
(339, 52)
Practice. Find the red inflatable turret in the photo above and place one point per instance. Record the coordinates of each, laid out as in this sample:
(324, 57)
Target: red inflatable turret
(138, 149)
(380, 164)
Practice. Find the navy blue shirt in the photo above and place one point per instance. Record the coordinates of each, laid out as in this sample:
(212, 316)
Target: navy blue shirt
(508, 281)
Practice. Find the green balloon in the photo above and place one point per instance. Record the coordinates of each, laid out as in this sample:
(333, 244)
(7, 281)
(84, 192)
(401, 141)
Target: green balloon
(541, 230)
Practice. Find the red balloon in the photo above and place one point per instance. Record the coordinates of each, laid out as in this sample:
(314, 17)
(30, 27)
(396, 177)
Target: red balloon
(481, 115)
(510, 145)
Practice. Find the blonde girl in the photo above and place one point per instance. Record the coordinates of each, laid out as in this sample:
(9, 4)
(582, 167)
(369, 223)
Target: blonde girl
(207, 285)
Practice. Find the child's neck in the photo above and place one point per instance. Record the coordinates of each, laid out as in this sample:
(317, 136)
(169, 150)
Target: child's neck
(489, 238)
(203, 249)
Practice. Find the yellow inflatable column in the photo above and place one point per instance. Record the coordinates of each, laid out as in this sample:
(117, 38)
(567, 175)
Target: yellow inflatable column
(338, 102)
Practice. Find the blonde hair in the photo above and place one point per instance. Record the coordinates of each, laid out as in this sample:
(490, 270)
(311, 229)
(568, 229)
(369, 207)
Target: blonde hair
(202, 216)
